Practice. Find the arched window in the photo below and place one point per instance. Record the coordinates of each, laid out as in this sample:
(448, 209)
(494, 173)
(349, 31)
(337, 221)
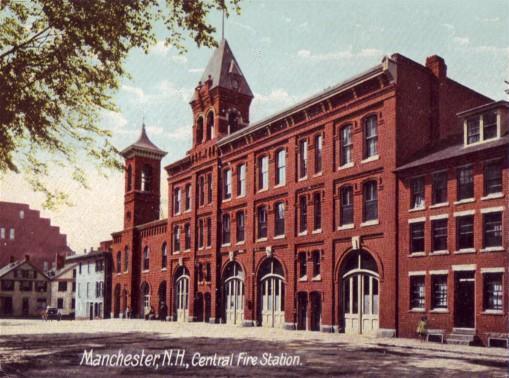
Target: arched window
(119, 262)
(164, 256)
(146, 258)
(176, 239)
(126, 259)
(263, 172)
(210, 125)
(129, 178)
(370, 137)
(346, 206)
(262, 222)
(281, 167)
(370, 201)
(317, 211)
(199, 130)
(240, 221)
(233, 122)
(146, 178)
(346, 147)
(225, 239)
(279, 219)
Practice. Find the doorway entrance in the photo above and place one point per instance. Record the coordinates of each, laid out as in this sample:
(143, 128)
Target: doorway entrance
(464, 299)
(182, 294)
(272, 293)
(233, 294)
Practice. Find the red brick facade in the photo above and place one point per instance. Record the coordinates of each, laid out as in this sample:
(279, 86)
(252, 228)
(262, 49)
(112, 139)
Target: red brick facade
(303, 259)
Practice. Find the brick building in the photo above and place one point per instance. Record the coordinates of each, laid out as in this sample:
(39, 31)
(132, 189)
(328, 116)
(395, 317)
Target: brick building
(291, 221)
(23, 231)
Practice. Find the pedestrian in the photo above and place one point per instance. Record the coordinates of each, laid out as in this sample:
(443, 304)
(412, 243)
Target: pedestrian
(127, 313)
(147, 312)
(422, 328)
(163, 311)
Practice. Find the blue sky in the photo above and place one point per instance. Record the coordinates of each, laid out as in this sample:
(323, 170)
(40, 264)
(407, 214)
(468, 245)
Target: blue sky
(287, 50)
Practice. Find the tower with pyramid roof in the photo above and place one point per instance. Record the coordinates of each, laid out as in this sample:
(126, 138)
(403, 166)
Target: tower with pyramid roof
(221, 100)
(142, 181)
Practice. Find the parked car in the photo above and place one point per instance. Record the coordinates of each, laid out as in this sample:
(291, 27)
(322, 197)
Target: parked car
(52, 313)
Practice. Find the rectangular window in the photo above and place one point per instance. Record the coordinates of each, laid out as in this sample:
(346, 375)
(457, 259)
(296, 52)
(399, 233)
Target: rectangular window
(188, 196)
(303, 214)
(240, 226)
(318, 153)
(492, 178)
(201, 191)
(226, 229)
(417, 186)
(493, 292)
(281, 167)
(176, 239)
(209, 232)
(208, 275)
(465, 183)
(241, 180)
(279, 224)
(317, 211)
(346, 208)
(417, 290)
(316, 263)
(209, 188)
(227, 184)
(465, 232)
(42, 286)
(60, 303)
(417, 237)
(473, 130)
(187, 236)
(371, 137)
(492, 230)
(370, 201)
(302, 265)
(7, 285)
(263, 173)
(346, 145)
(262, 222)
(303, 158)
(439, 188)
(2, 233)
(200, 233)
(176, 201)
(25, 285)
(11, 234)
(62, 286)
(439, 235)
(489, 125)
(439, 291)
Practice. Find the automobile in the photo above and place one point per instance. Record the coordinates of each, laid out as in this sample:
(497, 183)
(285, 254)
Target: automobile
(52, 313)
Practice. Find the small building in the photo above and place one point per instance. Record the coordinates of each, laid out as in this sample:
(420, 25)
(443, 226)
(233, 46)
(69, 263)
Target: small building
(63, 287)
(24, 289)
(93, 282)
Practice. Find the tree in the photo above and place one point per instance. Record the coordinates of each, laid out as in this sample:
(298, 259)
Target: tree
(61, 62)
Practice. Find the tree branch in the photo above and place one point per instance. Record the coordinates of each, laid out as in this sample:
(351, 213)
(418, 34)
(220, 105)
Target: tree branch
(21, 45)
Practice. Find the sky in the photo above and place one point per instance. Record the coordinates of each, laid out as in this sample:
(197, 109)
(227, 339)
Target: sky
(287, 50)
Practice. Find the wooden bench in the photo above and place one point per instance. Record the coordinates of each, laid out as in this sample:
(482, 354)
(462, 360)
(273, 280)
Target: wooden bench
(440, 333)
(498, 339)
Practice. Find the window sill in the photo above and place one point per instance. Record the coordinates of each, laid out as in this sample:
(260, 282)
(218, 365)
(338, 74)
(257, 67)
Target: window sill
(176, 252)
(493, 249)
(145, 271)
(208, 247)
(417, 254)
(302, 178)
(371, 158)
(200, 248)
(466, 200)
(439, 311)
(464, 250)
(348, 226)
(318, 231)
(163, 269)
(441, 252)
(280, 185)
(279, 237)
(373, 222)
(492, 196)
(187, 250)
(417, 209)
(318, 174)
(345, 166)
(226, 200)
(492, 312)
(262, 190)
(317, 278)
(261, 240)
(437, 205)
(241, 196)
(187, 211)
(303, 278)
(242, 242)
(226, 245)
(420, 310)
(303, 233)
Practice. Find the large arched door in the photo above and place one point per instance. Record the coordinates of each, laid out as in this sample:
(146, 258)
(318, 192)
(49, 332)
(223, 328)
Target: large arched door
(271, 290)
(182, 294)
(233, 294)
(116, 307)
(144, 302)
(360, 293)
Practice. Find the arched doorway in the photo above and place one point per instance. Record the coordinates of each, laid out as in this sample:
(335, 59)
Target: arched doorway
(198, 307)
(124, 303)
(116, 309)
(163, 307)
(271, 291)
(360, 293)
(302, 310)
(182, 294)
(233, 293)
(315, 299)
(144, 302)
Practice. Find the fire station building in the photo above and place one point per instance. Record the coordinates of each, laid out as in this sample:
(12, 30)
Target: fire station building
(329, 215)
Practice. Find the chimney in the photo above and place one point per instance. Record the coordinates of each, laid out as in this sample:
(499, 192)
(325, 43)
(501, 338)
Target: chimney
(60, 261)
(27, 257)
(436, 64)
(12, 259)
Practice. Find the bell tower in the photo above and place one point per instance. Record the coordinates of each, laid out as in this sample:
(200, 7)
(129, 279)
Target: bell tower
(142, 181)
(221, 100)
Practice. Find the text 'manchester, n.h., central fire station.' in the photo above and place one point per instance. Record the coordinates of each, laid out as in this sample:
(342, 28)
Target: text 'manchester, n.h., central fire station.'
(361, 209)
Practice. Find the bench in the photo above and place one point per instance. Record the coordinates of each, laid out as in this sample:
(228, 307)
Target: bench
(498, 340)
(438, 333)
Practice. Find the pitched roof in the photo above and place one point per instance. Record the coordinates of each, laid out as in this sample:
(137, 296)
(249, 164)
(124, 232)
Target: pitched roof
(224, 71)
(16, 264)
(64, 269)
(452, 151)
(143, 144)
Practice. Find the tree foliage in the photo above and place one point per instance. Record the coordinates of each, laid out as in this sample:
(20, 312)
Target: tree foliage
(61, 62)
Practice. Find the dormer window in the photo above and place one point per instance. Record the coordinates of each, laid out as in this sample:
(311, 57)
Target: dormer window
(481, 128)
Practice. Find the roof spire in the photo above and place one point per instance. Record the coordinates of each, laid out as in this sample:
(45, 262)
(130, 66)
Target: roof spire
(143, 144)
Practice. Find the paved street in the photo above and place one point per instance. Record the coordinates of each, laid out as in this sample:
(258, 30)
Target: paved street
(34, 348)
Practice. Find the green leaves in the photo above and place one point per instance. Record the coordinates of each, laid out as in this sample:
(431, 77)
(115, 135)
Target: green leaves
(60, 63)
